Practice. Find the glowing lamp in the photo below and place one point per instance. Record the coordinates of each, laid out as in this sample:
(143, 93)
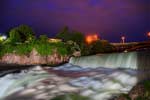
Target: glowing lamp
(3, 38)
(95, 37)
(123, 37)
(148, 34)
(91, 38)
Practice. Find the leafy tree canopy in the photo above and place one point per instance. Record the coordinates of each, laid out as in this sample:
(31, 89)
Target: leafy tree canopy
(43, 38)
(22, 33)
(67, 35)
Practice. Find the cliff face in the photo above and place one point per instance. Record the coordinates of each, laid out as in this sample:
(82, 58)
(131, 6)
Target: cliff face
(33, 58)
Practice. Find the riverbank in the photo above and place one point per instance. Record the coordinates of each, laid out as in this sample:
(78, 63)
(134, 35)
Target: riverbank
(34, 58)
(12, 68)
(5, 67)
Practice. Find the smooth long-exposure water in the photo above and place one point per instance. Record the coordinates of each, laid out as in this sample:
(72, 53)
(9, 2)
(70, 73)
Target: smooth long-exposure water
(80, 75)
(132, 60)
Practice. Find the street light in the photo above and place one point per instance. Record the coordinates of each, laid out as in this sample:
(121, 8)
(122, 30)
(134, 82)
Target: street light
(3, 37)
(91, 38)
(148, 35)
(123, 39)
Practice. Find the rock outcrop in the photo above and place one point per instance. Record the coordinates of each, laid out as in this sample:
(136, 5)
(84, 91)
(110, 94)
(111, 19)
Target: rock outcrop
(141, 91)
(34, 58)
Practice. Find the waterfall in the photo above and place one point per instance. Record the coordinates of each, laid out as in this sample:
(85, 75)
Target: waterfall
(132, 60)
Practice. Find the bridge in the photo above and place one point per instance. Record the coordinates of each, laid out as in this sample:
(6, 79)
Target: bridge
(131, 46)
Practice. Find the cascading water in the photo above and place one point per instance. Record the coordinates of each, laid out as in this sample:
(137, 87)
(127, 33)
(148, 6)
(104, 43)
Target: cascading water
(15, 82)
(99, 76)
(132, 60)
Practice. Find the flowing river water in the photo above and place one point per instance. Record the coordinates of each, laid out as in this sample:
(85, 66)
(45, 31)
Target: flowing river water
(100, 77)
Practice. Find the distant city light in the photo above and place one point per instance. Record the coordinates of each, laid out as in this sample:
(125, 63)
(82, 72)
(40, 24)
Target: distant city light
(123, 39)
(54, 40)
(3, 37)
(91, 38)
(148, 34)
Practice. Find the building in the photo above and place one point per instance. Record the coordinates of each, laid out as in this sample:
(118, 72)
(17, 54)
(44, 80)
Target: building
(54, 40)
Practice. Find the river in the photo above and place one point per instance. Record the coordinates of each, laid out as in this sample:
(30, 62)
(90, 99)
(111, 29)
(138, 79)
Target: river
(99, 77)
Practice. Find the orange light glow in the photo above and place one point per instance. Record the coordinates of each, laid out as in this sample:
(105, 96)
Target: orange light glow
(91, 38)
(148, 34)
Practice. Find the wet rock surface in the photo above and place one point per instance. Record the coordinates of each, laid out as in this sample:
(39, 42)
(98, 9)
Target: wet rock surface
(34, 58)
(141, 91)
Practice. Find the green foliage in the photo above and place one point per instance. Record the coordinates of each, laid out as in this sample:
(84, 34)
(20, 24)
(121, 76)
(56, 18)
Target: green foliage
(85, 50)
(99, 46)
(64, 34)
(22, 49)
(42, 48)
(71, 97)
(18, 49)
(67, 35)
(14, 36)
(62, 48)
(22, 33)
(43, 38)
(77, 37)
(6, 49)
(73, 46)
(22, 41)
(26, 33)
(147, 85)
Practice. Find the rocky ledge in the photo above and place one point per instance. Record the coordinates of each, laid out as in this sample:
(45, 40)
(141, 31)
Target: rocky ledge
(141, 91)
(34, 58)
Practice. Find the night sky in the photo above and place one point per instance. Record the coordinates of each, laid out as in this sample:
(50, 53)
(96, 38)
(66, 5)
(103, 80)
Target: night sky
(109, 18)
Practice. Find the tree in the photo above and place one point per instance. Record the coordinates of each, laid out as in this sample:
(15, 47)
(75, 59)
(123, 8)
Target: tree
(14, 36)
(43, 38)
(96, 47)
(26, 33)
(77, 37)
(101, 46)
(64, 34)
(67, 35)
(22, 33)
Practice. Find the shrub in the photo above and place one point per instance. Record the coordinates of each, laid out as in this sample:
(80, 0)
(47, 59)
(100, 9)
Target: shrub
(42, 48)
(69, 35)
(99, 46)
